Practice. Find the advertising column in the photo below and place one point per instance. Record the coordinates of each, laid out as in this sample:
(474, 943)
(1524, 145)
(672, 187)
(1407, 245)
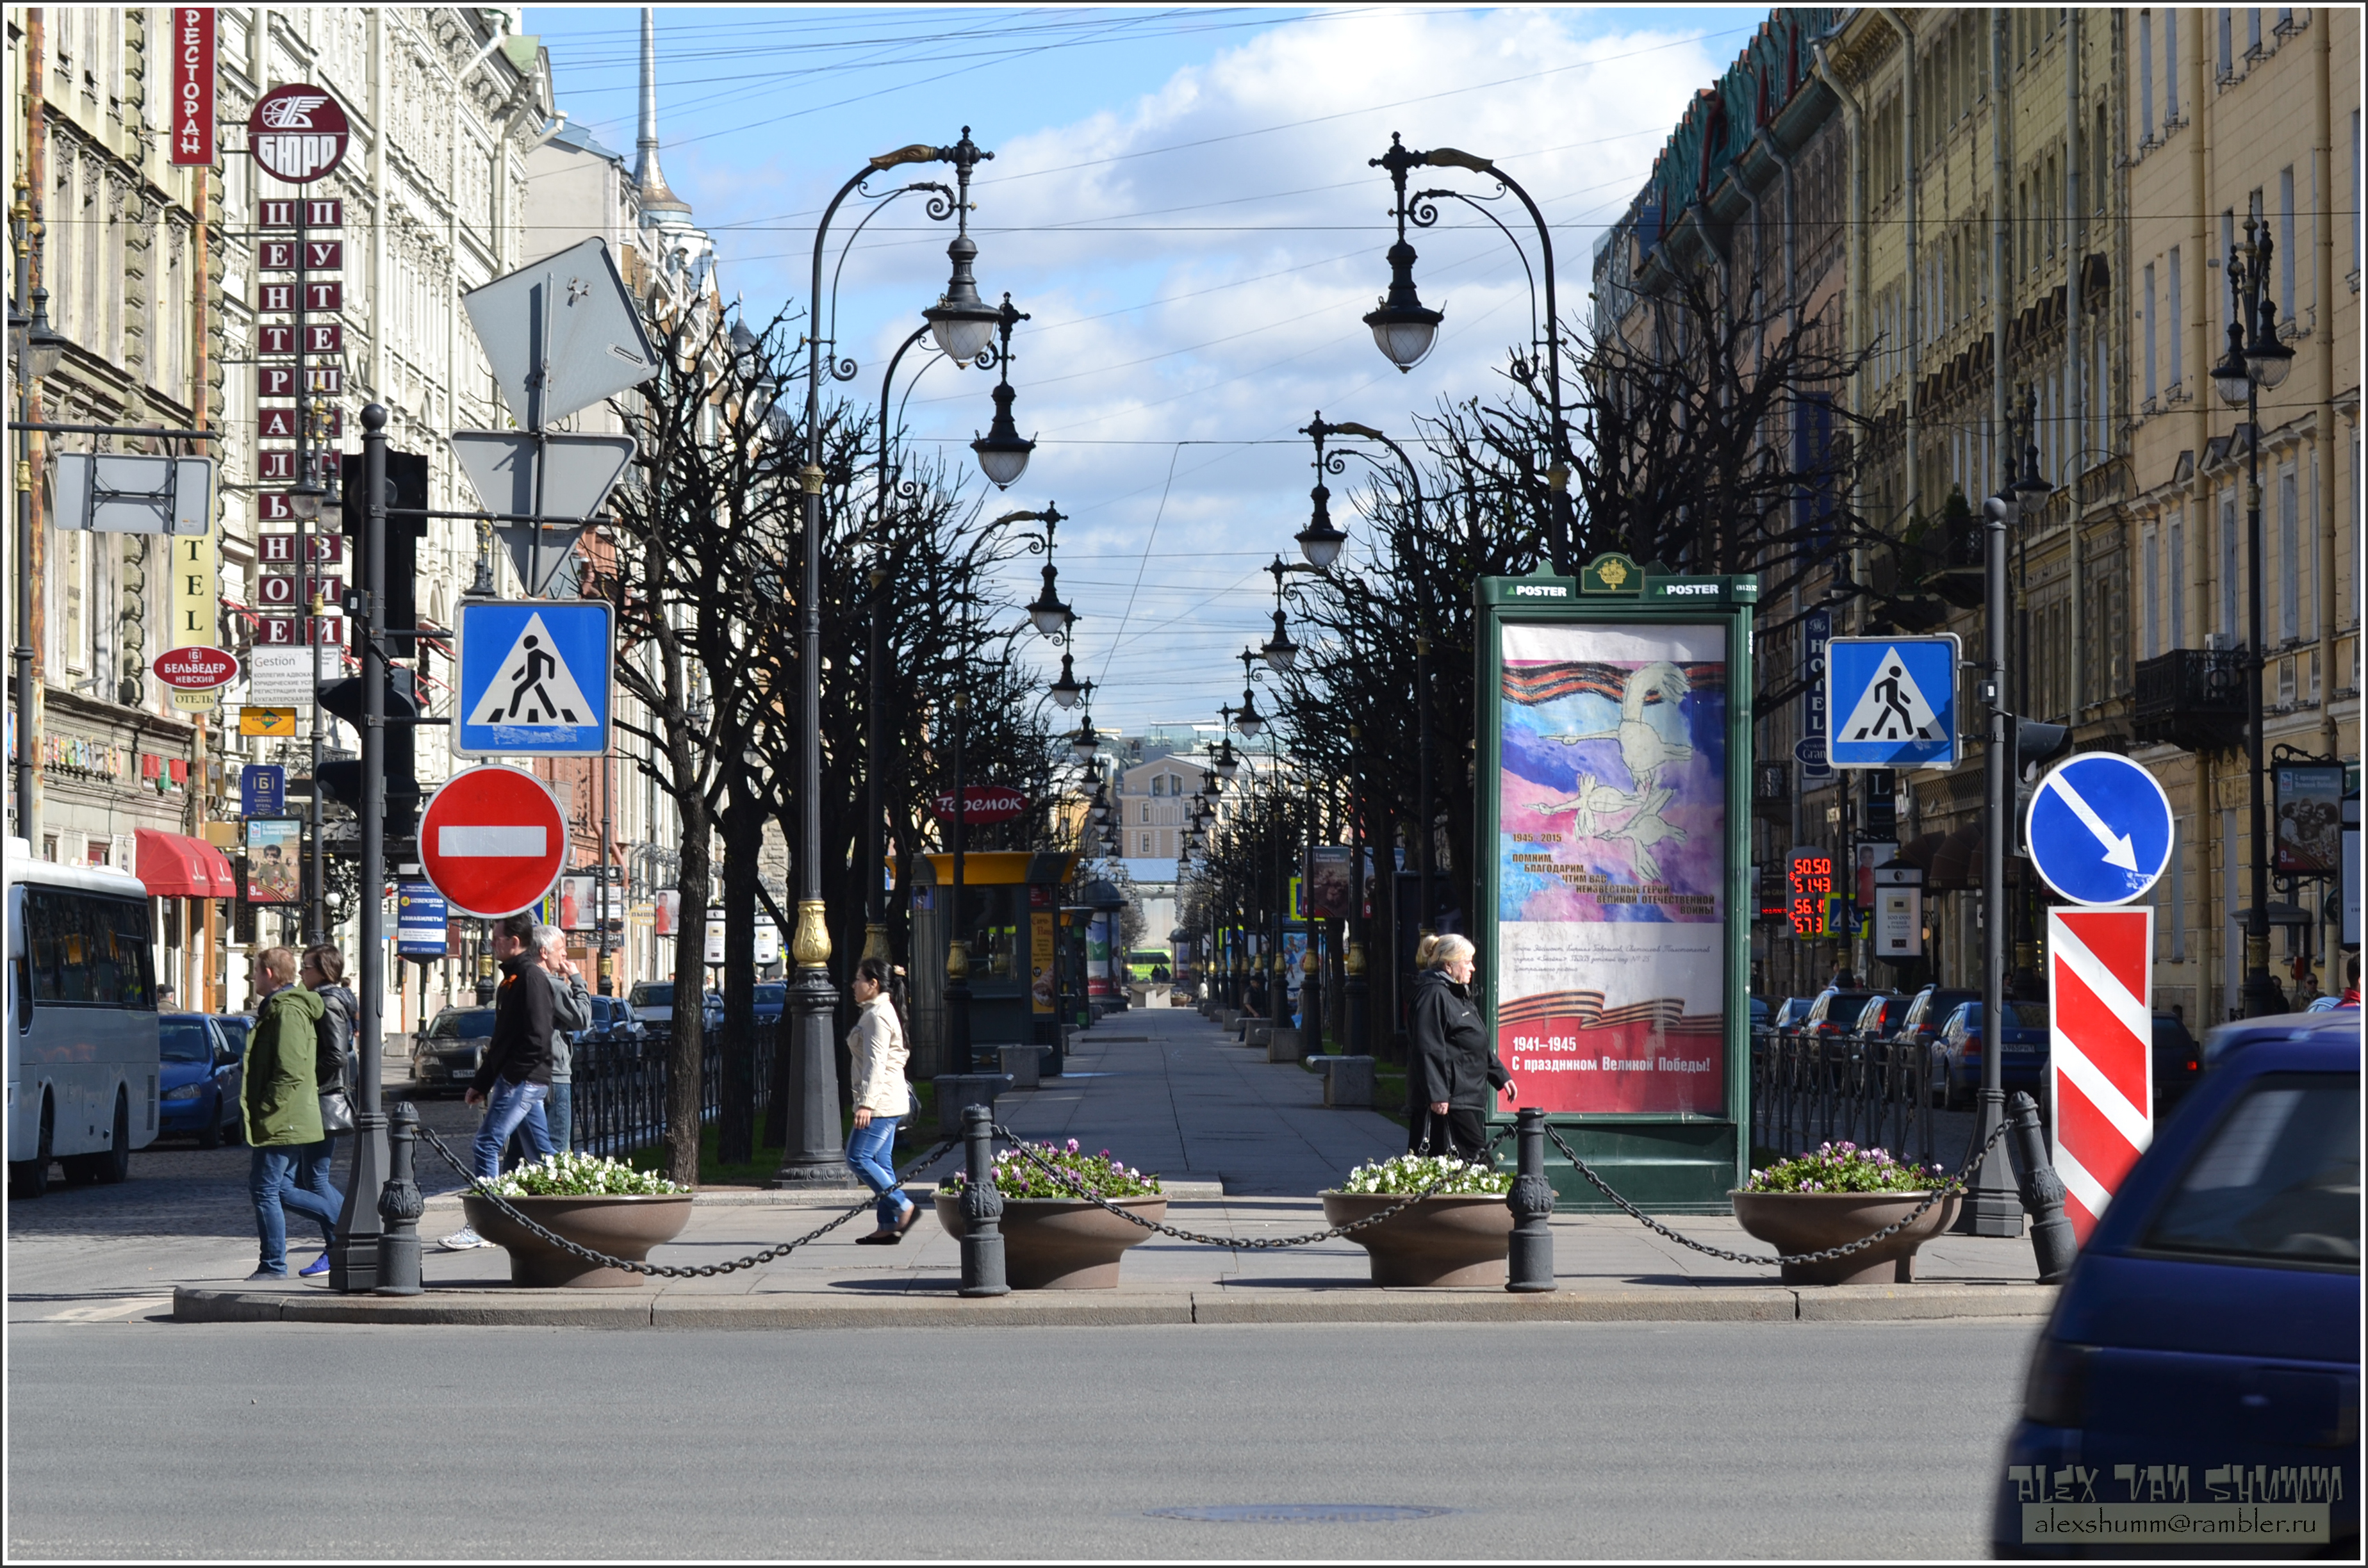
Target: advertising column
(1616, 937)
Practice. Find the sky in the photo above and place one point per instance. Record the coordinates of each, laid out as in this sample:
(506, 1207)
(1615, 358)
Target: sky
(1181, 198)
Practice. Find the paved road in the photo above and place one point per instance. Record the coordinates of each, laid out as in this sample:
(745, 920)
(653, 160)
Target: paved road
(137, 1438)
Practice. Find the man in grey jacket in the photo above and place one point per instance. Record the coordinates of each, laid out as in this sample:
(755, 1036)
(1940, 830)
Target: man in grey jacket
(571, 1009)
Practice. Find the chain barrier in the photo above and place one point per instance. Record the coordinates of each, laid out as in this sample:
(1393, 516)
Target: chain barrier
(667, 1271)
(1251, 1244)
(1829, 1252)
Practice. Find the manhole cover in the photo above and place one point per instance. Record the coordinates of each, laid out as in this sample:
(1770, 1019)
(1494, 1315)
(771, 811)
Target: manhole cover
(1299, 1513)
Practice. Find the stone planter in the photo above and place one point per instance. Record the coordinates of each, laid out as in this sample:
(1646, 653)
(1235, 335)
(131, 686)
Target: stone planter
(1282, 1043)
(621, 1227)
(1795, 1223)
(1060, 1243)
(1441, 1240)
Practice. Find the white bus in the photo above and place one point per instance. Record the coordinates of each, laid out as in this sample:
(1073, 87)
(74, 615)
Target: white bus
(82, 1022)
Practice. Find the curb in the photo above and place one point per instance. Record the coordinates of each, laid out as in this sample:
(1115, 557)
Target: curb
(1238, 1305)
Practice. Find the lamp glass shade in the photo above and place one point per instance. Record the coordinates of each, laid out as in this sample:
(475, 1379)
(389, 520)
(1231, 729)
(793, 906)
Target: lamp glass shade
(1281, 654)
(1227, 765)
(961, 332)
(1248, 722)
(1405, 339)
(1068, 688)
(1321, 546)
(2232, 387)
(2268, 364)
(304, 502)
(1084, 743)
(1002, 460)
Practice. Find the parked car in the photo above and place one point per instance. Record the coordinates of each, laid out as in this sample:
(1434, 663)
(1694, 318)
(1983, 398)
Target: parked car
(1834, 1012)
(653, 1003)
(2022, 1058)
(1877, 1021)
(1761, 1013)
(2205, 1350)
(198, 1079)
(771, 997)
(1927, 1011)
(449, 1049)
(2178, 1065)
(236, 1028)
(614, 1022)
(1789, 1016)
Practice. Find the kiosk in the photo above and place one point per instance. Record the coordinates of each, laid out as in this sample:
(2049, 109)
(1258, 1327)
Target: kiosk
(1010, 916)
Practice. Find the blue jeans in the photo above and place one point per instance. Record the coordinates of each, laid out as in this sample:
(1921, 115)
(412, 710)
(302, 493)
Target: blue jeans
(273, 1180)
(511, 1108)
(559, 1117)
(868, 1155)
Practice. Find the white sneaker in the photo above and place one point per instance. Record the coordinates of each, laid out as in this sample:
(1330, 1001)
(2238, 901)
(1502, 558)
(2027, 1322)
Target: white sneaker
(461, 1240)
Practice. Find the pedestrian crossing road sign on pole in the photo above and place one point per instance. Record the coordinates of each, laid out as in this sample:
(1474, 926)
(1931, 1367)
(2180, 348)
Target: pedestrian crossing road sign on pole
(535, 678)
(1892, 701)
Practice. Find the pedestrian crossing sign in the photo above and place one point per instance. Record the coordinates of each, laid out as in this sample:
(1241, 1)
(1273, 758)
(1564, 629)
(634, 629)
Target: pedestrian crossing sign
(1892, 701)
(535, 678)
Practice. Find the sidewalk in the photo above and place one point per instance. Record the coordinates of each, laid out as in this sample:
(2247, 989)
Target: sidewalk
(1169, 1093)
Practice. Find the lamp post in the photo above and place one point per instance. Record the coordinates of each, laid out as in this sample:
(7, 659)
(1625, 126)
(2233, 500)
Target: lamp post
(1993, 1206)
(963, 324)
(1320, 530)
(36, 349)
(1355, 1039)
(2251, 364)
(1405, 329)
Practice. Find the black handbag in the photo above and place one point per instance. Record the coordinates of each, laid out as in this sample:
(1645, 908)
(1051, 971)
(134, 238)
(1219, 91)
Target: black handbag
(337, 1112)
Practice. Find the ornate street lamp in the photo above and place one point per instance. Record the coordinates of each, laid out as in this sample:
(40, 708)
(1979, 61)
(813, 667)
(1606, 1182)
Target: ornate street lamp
(1047, 614)
(1319, 541)
(1068, 690)
(1405, 330)
(1003, 452)
(2252, 365)
(813, 1155)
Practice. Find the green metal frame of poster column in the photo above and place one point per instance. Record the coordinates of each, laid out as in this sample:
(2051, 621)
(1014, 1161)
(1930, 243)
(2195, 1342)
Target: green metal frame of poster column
(1634, 1033)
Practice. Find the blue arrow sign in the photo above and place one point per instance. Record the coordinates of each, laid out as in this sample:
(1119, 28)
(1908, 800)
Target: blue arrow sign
(1892, 701)
(535, 678)
(2099, 829)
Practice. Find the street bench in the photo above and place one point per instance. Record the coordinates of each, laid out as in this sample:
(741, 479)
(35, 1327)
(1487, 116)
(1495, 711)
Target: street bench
(1348, 1081)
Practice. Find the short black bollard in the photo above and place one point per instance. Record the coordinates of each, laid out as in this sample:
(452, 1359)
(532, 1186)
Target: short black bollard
(981, 1207)
(2043, 1194)
(400, 1207)
(1528, 1251)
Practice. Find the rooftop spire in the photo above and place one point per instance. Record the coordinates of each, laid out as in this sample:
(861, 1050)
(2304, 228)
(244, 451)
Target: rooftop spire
(648, 179)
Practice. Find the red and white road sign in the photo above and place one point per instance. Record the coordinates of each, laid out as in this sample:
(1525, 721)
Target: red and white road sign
(2100, 1050)
(492, 840)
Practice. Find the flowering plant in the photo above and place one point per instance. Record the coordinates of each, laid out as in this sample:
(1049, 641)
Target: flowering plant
(1016, 1176)
(583, 1175)
(1410, 1174)
(1846, 1167)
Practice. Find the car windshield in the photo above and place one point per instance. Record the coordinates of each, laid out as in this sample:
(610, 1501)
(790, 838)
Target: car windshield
(476, 1022)
(182, 1039)
(2278, 1181)
(649, 994)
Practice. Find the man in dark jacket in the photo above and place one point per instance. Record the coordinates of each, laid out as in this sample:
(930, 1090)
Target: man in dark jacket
(514, 1079)
(1454, 1074)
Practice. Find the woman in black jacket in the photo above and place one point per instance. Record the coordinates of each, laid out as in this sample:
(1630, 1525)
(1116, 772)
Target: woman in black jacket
(1455, 1066)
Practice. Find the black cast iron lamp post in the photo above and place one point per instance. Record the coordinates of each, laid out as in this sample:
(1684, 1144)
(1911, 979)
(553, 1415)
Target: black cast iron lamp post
(1003, 452)
(2250, 365)
(814, 1155)
(45, 348)
(1319, 541)
(1068, 690)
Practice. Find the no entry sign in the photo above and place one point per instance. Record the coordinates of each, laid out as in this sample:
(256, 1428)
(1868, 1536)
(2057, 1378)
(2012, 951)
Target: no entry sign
(2100, 1050)
(493, 840)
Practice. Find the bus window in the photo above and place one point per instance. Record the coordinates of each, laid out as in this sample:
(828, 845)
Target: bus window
(89, 949)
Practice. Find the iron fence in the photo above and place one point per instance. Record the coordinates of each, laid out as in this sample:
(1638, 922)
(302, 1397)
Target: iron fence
(620, 1087)
(1876, 1093)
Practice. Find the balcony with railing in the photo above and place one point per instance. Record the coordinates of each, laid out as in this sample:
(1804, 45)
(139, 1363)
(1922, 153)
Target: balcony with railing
(2193, 698)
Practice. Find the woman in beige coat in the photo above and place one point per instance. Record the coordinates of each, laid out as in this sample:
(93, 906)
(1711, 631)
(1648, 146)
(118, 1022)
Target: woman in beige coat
(876, 1052)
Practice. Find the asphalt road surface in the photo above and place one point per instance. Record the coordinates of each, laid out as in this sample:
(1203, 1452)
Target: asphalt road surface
(131, 1437)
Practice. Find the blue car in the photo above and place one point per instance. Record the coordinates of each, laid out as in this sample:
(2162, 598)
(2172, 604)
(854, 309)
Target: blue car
(770, 998)
(2198, 1386)
(2022, 1064)
(196, 1079)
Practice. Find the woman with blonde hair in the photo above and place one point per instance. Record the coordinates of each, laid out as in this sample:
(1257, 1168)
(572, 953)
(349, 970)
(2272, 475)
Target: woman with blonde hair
(1454, 1067)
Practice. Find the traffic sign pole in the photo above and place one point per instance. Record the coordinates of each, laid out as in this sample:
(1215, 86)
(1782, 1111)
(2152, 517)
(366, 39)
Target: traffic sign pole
(1994, 1204)
(353, 1260)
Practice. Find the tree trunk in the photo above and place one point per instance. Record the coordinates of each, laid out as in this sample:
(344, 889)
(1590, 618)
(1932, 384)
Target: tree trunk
(685, 1057)
(744, 840)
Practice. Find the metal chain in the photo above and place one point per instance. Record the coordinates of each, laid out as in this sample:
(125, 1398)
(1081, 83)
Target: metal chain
(1842, 1251)
(1253, 1244)
(667, 1271)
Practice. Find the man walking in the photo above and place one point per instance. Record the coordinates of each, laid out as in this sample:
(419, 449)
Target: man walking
(515, 1077)
(571, 1010)
(280, 1102)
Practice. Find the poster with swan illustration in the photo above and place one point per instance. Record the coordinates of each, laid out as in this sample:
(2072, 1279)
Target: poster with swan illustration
(1612, 865)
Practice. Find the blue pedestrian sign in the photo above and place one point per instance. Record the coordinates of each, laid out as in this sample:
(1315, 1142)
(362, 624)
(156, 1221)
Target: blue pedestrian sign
(535, 678)
(1892, 701)
(2099, 829)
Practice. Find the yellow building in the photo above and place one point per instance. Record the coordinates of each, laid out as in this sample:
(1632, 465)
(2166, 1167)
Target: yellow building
(2235, 114)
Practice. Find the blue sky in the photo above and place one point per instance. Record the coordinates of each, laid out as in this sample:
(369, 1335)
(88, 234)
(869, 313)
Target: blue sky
(1181, 198)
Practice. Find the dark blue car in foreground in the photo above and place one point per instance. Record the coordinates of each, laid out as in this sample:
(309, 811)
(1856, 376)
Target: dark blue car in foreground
(2197, 1390)
(196, 1079)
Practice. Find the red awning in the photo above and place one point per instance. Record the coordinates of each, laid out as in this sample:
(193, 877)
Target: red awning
(176, 865)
